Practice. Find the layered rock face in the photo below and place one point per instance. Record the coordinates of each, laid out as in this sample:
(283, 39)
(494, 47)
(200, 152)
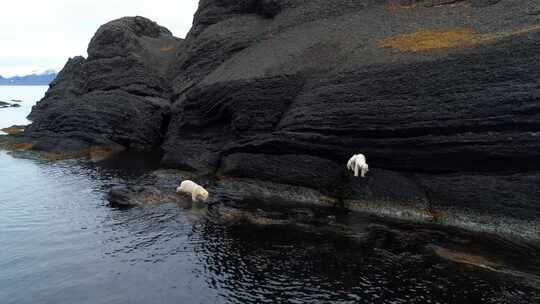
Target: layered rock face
(442, 97)
(117, 97)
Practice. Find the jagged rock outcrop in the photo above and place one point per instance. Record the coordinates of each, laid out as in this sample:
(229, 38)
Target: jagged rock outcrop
(118, 96)
(439, 88)
(442, 96)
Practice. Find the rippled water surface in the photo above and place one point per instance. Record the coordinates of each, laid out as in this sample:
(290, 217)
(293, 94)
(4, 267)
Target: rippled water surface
(60, 242)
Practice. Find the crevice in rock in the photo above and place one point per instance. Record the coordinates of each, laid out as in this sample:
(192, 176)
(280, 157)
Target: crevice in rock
(166, 121)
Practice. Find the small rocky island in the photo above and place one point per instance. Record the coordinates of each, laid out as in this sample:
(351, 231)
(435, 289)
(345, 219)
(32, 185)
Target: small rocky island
(264, 102)
(5, 104)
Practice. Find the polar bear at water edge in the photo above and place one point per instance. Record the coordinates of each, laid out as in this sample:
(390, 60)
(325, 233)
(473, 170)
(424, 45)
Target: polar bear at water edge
(197, 192)
(358, 162)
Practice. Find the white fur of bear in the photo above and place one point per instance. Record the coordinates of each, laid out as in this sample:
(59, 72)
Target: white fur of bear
(198, 193)
(358, 162)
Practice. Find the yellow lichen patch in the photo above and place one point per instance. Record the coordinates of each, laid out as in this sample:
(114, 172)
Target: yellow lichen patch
(169, 48)
(428, 40)
(465, 258)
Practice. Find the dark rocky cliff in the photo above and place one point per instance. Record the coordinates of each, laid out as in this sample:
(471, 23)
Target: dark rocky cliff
(442, 96)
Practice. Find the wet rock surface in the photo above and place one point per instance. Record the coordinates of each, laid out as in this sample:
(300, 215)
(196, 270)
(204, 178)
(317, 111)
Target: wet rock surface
(158, 187)
(442, 256)
(441, 96)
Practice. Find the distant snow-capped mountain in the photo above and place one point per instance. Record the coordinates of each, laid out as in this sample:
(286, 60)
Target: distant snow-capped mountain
(43, 78)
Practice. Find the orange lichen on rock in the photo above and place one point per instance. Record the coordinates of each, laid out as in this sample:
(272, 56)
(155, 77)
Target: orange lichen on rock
(428, 40)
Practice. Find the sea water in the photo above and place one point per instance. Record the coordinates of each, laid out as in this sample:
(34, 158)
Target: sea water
(61, 242)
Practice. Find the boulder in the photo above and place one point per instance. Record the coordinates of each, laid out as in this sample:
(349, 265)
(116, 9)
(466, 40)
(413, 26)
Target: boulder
(119, 95)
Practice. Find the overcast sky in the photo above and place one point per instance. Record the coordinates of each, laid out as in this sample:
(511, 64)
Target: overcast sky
(37, 35)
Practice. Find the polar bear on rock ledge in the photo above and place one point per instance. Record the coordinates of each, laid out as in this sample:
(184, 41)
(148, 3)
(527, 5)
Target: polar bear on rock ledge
(198, 193)
(358, 162)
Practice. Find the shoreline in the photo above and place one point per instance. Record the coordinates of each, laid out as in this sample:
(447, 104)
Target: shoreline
(245, 193)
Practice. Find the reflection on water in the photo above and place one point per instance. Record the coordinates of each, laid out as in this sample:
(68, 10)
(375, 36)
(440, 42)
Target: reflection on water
(273, 265)
(61, 243)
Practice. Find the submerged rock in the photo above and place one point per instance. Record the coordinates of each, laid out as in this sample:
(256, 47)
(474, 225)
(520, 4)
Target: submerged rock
(132, 196)
(158, 187)
(441, 97)
(465, 258)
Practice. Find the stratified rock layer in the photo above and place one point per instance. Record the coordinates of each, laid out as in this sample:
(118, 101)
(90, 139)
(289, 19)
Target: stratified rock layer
(442, 97)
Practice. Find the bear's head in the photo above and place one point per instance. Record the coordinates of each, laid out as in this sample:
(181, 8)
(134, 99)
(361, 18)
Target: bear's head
(180, 189)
